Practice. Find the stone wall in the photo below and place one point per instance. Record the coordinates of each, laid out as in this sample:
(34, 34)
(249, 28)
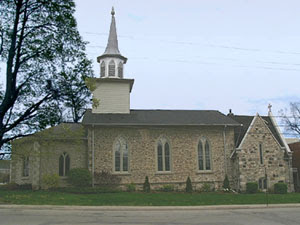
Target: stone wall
(142, 142)
(248, 156)
(44, 153)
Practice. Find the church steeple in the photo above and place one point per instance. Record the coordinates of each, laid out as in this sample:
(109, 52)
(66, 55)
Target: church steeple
(112, 44)
(112, 90)
(111, 61)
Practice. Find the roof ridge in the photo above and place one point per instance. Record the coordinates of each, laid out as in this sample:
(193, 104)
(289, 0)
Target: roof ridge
(174, 110)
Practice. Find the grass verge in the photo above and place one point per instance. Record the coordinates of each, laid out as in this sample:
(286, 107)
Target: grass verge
(28, 197)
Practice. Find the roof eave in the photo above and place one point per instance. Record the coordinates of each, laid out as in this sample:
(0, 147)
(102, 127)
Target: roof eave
(155, 124)
(111, 55)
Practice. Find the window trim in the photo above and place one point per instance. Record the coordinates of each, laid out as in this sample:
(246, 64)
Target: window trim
(203, 141)
(64, 165)
(163, 142)
(121, 139)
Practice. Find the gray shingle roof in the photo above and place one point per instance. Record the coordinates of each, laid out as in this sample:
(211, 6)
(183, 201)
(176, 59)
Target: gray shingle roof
(240, 132)
(160, 117)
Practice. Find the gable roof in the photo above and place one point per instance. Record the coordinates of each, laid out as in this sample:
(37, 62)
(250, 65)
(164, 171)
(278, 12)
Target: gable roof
(240, 132)
(160, 117)
(65, 130)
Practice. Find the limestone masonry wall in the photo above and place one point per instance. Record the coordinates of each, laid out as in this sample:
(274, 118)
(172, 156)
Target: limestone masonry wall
(250, 167)
(183, 141)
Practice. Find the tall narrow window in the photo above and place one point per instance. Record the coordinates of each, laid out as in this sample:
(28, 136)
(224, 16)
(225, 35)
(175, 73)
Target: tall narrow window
(159, 157)
(204, 155)
(102, 69)
(25, 166)
(163, 156)
(121, 156)
(64, 164)
(261, 154)
(111, 68)
(200, 156)
(120, 70)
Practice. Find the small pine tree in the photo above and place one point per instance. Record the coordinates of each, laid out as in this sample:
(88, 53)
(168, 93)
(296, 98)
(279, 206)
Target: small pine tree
(189, 187)
(226, 184)
(146, 185)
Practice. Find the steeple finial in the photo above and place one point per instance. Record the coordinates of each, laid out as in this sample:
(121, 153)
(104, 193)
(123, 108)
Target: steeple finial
(270, 107)
(112, 11)
(112, 44)
(112, 49)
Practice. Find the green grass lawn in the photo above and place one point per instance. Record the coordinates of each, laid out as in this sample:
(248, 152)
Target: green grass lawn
(140, 199)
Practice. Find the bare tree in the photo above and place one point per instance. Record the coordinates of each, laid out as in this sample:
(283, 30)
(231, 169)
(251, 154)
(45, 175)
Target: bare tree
(291, 119)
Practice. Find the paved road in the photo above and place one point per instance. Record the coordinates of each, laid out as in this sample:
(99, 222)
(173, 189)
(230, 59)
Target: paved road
(153, 216)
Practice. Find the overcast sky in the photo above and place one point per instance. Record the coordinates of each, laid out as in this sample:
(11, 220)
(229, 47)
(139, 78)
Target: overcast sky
(202, 54)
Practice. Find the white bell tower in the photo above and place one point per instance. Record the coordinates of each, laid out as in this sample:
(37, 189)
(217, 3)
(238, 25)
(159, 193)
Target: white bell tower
(111, 90)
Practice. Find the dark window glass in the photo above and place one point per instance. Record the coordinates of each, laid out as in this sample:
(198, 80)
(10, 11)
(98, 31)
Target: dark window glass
(118, 157)
(262, 183)
(61, 165)
(200, 156)
(125, 158)
(265, 183)
(207, 156)
(67, 165)
(26, 166)
(261, 154)
(159, 157)
(167, 157)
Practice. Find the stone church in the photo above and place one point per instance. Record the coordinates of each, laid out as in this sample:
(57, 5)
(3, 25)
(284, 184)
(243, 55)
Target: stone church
(166, 145)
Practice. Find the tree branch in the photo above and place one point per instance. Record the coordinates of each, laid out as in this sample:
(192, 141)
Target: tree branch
(27, 113)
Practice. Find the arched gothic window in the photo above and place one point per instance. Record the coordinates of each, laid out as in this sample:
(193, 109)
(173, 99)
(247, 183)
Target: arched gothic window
(121, 156)
(163, 156)
(25, 172)
(102, 69)
(111, 68)
(120, 70)
(64, 164)
(204, 155)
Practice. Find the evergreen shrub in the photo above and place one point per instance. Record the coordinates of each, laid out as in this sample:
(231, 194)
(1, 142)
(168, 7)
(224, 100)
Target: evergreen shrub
(79, 177)
(280, 188)
(146, 185)
(251, 187)
(188, 187)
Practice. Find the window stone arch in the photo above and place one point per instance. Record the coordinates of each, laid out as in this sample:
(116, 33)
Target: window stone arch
(64, 164)
(204, 155)
(121, 155)
(163, 152)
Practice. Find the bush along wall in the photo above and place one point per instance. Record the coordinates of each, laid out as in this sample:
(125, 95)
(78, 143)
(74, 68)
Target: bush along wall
(79, 177)
(280, 188)
(251, 187)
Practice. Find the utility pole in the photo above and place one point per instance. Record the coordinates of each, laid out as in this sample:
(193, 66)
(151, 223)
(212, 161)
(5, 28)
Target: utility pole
(266, 180)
